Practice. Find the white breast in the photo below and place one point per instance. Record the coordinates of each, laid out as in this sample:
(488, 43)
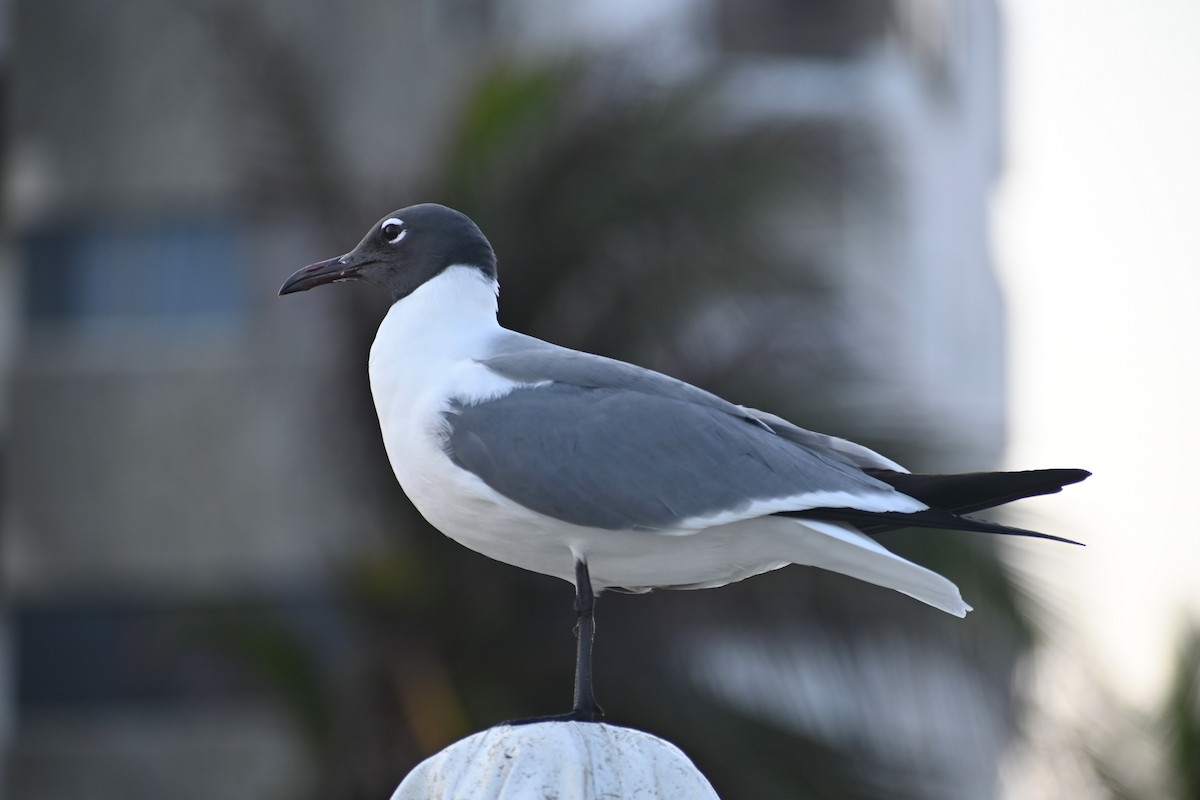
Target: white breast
(424, 354)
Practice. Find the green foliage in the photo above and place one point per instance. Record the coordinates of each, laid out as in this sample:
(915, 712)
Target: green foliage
(611, 201)
(1133, 754)
(1181, 717)
(272, 653)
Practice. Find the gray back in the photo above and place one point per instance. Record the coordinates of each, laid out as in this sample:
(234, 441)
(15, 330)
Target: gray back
(609, 445)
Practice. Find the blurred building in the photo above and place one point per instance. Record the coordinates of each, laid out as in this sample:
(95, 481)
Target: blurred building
(164, 415)
(167, 419)
(911, 92)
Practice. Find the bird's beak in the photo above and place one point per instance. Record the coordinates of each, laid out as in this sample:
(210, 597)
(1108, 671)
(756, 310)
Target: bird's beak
(342, 268)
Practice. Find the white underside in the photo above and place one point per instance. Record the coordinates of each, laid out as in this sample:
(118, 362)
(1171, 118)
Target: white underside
(424, 354)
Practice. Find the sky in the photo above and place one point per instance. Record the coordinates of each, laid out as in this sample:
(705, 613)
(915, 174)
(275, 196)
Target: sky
(1098, 243)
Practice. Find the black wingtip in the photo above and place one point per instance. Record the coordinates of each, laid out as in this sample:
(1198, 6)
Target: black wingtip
(984, 526)
(951, 497)
(873, 523)
(966, 493)
(1070, 476)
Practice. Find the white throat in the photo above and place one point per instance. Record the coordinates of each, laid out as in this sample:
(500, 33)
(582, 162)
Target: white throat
(427, 350)
(449, 319)
(458, 291)
(443, 314)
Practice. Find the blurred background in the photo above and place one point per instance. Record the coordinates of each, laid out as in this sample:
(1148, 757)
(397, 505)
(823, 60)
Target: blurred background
(962, 232)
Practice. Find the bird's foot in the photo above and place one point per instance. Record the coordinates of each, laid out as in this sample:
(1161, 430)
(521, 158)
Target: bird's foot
(593, 714)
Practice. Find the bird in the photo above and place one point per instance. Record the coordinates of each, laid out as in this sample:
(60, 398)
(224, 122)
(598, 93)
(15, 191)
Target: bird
(612, 476)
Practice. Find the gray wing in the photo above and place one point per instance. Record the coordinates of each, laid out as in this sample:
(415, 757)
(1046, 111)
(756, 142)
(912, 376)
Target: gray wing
(841, 449)
(530, 360)
(604, 444)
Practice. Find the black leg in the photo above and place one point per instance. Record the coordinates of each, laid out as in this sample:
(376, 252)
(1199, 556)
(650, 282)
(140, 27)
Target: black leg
(586, 709)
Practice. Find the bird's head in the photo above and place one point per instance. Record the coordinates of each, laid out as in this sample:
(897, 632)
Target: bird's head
(404, 250)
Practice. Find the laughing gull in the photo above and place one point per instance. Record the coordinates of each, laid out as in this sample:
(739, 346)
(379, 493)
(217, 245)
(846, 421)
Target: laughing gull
(609, 475)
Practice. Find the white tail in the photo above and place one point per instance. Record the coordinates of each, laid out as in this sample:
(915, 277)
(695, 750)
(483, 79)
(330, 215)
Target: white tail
(840, 548)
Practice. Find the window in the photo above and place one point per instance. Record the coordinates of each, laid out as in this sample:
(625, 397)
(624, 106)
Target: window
(80, 271)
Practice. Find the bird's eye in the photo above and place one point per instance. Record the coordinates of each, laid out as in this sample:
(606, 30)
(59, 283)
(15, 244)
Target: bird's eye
(393, 230)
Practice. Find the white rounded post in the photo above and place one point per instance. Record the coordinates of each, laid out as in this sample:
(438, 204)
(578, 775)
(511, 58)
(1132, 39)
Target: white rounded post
(564, 760)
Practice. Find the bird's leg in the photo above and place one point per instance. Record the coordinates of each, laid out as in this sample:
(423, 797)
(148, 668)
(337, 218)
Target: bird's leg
(586, 709)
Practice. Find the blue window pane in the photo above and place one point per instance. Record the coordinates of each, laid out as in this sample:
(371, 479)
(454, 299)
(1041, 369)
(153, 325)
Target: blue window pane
(174, 269)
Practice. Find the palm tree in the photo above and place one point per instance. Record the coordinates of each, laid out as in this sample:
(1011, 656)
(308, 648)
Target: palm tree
(1134, 754)
(637, 219)
(631, 221)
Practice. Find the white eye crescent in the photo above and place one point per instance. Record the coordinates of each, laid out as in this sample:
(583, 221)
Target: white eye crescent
(392, 230)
